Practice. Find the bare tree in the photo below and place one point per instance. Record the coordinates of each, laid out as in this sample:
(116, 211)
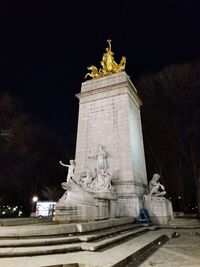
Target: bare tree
(52, 193)
(171, 120)
(29, 154)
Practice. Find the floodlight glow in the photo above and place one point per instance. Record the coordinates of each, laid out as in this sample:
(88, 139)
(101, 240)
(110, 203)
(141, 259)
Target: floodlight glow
(35, 199)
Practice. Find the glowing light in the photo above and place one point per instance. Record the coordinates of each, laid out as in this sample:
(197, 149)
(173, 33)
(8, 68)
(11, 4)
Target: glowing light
(35, 199)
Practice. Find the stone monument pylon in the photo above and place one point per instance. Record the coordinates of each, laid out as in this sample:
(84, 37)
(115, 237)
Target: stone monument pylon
(110, 163)
(109, 115)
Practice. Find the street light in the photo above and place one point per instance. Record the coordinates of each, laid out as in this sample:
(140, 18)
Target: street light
(35, 199)
(180, 203)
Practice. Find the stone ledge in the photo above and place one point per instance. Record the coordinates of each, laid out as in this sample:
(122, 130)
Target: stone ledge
(91, 226)
(37, 230)
(111, 240)
(109, 80)
(60, 229)
(24, 221)
(29, 251)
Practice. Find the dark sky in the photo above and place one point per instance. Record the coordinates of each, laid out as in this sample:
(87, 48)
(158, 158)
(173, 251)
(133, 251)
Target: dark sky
(45, 47)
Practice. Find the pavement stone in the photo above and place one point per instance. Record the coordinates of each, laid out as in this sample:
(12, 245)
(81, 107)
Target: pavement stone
(177, 252)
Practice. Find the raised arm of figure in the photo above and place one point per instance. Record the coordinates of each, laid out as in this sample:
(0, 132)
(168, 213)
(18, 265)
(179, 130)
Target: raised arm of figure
(65, 165)
(162, 187)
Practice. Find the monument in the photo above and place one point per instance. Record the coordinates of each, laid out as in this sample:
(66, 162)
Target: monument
(109, 115)
(110, 173)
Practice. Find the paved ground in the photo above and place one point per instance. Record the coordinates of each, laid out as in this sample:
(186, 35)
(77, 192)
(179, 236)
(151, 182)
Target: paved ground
(177, 252)
(181, 251)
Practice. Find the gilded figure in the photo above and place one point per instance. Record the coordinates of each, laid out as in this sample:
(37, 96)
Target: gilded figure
(94, 72)
(108, 64)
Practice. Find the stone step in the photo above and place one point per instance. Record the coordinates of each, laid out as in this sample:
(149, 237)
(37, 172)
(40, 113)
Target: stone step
(184, 223)
(102, 224)
(121, 255)
(60, 229)
(93, 246)
(107, 232)
(39, 250)
(38, 241)
(36, 249)
(25, 221)
(186, 220)
(36, 230)
(116, 230)
(114, 256)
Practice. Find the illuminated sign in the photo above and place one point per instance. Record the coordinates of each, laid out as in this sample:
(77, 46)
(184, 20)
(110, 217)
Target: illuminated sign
(45, 208)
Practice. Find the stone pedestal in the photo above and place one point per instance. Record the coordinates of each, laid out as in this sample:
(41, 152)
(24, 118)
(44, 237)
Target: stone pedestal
(79, 205)
(109, 115)
(159, 208)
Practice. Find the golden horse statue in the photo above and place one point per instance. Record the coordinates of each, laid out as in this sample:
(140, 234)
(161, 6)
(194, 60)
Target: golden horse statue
(94, 72)
(108, 63)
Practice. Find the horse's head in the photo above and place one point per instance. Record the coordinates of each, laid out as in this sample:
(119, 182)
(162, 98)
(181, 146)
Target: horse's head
(92, 68)
(123, 60)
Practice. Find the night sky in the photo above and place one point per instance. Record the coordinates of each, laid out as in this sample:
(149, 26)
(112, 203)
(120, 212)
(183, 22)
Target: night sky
(46, 46)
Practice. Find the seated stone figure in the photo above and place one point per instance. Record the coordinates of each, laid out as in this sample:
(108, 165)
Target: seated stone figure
(101, 179)
(86, 179)
(156, 189)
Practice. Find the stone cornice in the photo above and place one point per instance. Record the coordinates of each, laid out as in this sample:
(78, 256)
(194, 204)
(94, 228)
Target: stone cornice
(129, 182)
(123, 86)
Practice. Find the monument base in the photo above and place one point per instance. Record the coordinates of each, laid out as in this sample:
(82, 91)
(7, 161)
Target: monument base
(129, 206)
(159, 208)
(78, 204)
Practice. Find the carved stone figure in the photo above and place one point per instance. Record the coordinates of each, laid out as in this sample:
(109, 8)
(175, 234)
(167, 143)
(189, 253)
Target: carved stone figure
(156, 189)
(86, 179)
(108, 63)
(71, 169)
(101, 157)
(103, 182)
(97, 180)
